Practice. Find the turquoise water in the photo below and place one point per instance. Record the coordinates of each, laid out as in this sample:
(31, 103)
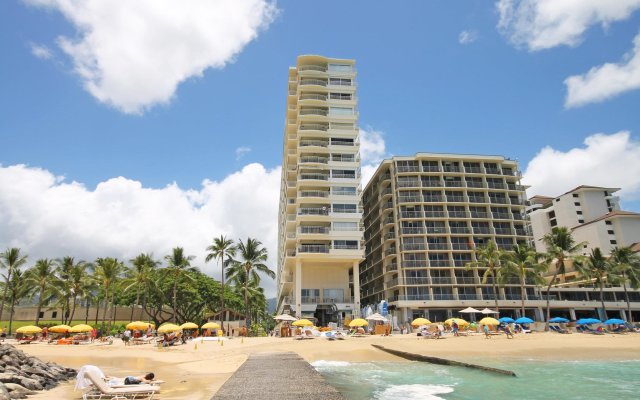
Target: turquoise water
(536, 380)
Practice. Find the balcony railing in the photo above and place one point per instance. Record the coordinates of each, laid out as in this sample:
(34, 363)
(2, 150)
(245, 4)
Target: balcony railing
(344, 176)
(414, 263)
(312, 68)
(431, 183)
(444, 296)
(416, 281)
(440, 280)
(499, 200)
(343, 158)
(313, 211)
(345, 247)
(435, 214)
(459, 229)
(439, 263)
(407, 169)
(414, 246)
(473, 184)
(389, 251)
(410, 214)
(479, 214)
(433, 199)
(409, 199)
(481, 230)
(438, 246)
(318, 143)
(461, 246)
(494, 171)
(503, 231)
(448, 183)
(431, 229)
(458, 199)
(410, 297)
(313, 97)
(495, 185)
(314, 248)
(501, 215)
(451, 169)
(474, 199)
(313, 111)
(473, 170)
(389, 236)
(318, 82)
(465, 296)
(465, 281)
(458, 214)
(314, 193)
(316, 177)
(314, 229)
(315, 160)
(408, 184)
(427, 168)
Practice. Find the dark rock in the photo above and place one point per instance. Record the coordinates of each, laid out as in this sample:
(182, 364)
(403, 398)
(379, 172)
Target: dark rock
(14, 387)
(4, 392)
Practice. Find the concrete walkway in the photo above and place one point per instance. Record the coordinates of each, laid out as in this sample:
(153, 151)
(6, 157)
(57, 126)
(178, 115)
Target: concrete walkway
(277, 376)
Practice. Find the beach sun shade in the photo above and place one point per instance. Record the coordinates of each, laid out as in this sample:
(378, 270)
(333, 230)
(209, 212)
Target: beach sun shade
(81, 328)
(614, 321)
(211, 325)
(587, 321)
(60, 329)
(140, 325)
(489, 311)
(420, 321)
(507, 320)
(524, 320)
(558, 320)
(285, 317)
(167, 328)
(489, 321)
(377, 317)
(29, 329)
(459, 321)
(358, 322)
(189, 325)
(469, 310)
(302, 322)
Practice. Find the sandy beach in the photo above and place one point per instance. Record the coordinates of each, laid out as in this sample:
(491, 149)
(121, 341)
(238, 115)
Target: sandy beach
(198, 369)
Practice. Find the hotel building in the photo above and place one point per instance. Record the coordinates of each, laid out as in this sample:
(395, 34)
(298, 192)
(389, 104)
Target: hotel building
(424, 217)
(320, 229)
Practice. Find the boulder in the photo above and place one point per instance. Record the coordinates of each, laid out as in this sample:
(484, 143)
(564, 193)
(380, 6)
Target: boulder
(14, 387)
(4, 392)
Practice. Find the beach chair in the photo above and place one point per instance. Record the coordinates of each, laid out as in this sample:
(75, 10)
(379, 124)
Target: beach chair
(101, 391)
(308, 334)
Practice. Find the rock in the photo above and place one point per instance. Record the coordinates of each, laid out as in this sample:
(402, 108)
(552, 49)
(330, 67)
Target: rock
(14, 387)
(9, 378)
(4, 392)
(31, 384)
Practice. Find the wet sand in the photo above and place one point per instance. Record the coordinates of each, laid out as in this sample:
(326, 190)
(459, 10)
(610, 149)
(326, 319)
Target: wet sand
(198, 369)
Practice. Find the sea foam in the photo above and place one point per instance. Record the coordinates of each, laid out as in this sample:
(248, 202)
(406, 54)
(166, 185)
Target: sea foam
(414, 392)
(329, 364)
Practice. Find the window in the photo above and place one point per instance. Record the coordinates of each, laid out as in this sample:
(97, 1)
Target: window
(41, 314)
(345, 244)
(340, 81)
(345, 226)
(340, 110)
(340, 67)
(344, 191)
(607, 222)
(333, 295)
(577, 203)
(553, 222)
(557, 200)
(579, 212)
(344, 208)
(54, 314)
(310, 295)
(342, 126)
(610, 232)
(343, 173)
(575, 195)
(340, 96)
(341, 142)
(613, 242)
(581, 221)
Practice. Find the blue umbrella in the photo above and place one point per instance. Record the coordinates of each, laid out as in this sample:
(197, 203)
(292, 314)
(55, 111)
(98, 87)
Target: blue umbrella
(524, 320)
(614, 321)
(506, 320)
(587, 321)
(559, 320)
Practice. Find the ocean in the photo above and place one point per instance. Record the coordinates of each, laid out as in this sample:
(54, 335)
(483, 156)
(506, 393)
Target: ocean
(536, 379)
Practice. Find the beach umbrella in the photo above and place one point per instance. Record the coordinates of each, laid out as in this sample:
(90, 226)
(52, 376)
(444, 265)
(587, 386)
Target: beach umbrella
(29, 329)
(507, 320)
(587, 321)
(358, 322)
(469, 310)
(376, 317)
(140, 325)
(420, 321)
(210, 325)
(459, 321)
(167, 328)
(488, 311)
(524, 320)
(285, 317)
(189, 325)
(302, 322)
(557, 320)
(489, 321)
(614, 321)
(81, 328)
(60, 328)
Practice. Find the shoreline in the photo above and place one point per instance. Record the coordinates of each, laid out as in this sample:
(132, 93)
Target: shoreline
(198, 369)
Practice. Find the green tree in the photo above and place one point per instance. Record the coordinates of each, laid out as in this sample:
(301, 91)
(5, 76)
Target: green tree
(69, 285)
(41, 278)
(489, 262)
(561, 248)
(18, 289)
(625, 270)
(595, 268)
(523, 264)
(107, 275)
(140, 277)
(177, 266)
(220, 249)
(249, 267)
(11, 260)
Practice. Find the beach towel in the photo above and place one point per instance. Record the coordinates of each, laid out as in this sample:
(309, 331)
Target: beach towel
(82, 382)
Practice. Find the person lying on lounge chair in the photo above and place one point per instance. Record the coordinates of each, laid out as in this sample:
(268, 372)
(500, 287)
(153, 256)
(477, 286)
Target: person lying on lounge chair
(136, 380)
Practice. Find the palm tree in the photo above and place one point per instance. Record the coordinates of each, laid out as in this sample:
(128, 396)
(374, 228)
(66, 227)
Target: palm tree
(595, 268)
(78, 279)
(18, 290)
(625, 268)
(107, 274)
(221, 248)
(252, 262)
(491, 260)
(40, 279)
(11, 260)
(140, 277)
(561, 248)
(523, 263)
(70, 276)
(177, 265)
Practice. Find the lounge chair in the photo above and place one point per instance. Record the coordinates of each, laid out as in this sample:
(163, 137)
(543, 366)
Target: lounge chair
(558, 329)
(142, 340)
(101, 391)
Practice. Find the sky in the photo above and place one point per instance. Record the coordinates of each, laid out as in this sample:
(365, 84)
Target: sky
(135, 126)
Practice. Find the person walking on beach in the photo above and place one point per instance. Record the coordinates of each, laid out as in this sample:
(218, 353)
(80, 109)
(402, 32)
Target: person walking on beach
(486, 331)
(454, 328)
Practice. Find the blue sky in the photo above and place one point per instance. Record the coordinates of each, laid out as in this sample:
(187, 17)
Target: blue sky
(420, 89)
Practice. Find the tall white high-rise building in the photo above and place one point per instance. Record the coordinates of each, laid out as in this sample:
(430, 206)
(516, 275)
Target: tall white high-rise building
(320, 228)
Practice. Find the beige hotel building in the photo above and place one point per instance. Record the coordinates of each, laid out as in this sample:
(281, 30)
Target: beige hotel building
(320, 230)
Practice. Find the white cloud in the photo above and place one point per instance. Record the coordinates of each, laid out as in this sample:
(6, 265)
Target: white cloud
(41, 51)
(48, 216)
(242, 151)
(467, 37)
(372, 152)
(605, 81)
(605, 160)
(543, 24)
(133, 54)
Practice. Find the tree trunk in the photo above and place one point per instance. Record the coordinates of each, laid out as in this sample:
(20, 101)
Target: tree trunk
(604, 309)
(222, 318)
(626, 297)
(73, 310)
(113, 311)
(39, 305)
(86, 313)
(522, 293)
(246, 308)
(553, 279)
(4, 293)
(104, 312)
(175, 293)
(495, 293)
(13, 302)
(137, 300)
(97, 309)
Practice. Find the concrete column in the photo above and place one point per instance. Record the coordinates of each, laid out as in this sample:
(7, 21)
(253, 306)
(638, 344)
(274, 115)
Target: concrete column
(298, 289)
(572, 314)
(356, 288)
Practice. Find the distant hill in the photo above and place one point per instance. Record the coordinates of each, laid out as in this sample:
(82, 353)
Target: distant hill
(272, 304)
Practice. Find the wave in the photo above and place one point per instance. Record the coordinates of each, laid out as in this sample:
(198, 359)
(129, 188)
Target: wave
(415, 392)
(327, 364)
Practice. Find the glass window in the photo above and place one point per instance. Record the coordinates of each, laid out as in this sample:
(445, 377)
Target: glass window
(340, 67)
(344, 208)
(340, 96)
(344, 190)
(340, 81)
(341, 110)
(345, 226)
(345, 244)
(333, 295)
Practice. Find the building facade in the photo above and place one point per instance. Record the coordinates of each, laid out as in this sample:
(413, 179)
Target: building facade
(424, 217)
(320, 219)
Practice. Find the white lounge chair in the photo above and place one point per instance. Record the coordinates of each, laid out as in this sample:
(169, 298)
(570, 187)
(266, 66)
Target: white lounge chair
(101, 391)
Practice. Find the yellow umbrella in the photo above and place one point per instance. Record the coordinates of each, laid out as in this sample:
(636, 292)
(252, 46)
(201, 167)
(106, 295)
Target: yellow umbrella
(211, 325)
(140, 325)
(358, 322)
(189, 325)
(29, 329)
(459, 321)
(60, 329)
(81, 328)
(489, 321)
(166, 328)
(420, 321)
(302, 322)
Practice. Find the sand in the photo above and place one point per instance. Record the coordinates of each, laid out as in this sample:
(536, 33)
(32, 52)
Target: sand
(198, 369)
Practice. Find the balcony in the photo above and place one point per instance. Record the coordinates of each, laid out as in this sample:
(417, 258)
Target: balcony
(427, 168)
(481, 230)
(465, 281)
(314, 160)
(433, 199)
(441, 280)
(503, 231)
(314, 177)
(455, 199)
(499, 200)
(438, 229)
(313, 97)
(345, 247)
(313, 82)
(501, 215)
(324, 211)
(388, 220)
(343, 158)
(320, 230)
(521, 232)
(413, 246)
(342, 143)
(461, 263)
(461, 246)
(392, 267)
(313, 111)
(446, 296)
(493, 171)
(432, 183)
(414, 263)
(314, 127)
(390, 251)
(410, 297)
(439, 263)
(314, 248)
(319, 68)
(407, 169)
(474, 199)
(314, 193)
(435, 214)
(389, 236)
(458, 214)
(465, 296)
(459, 229)
(344, 176)
(314, 143)
(385, 191)
(410, 214)
(404, 184)
(448, 183)
(473, 170)
(495, 185)
(409, 199)
(416, 281)
(479, 214)
(451, 168)
(438, 246)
